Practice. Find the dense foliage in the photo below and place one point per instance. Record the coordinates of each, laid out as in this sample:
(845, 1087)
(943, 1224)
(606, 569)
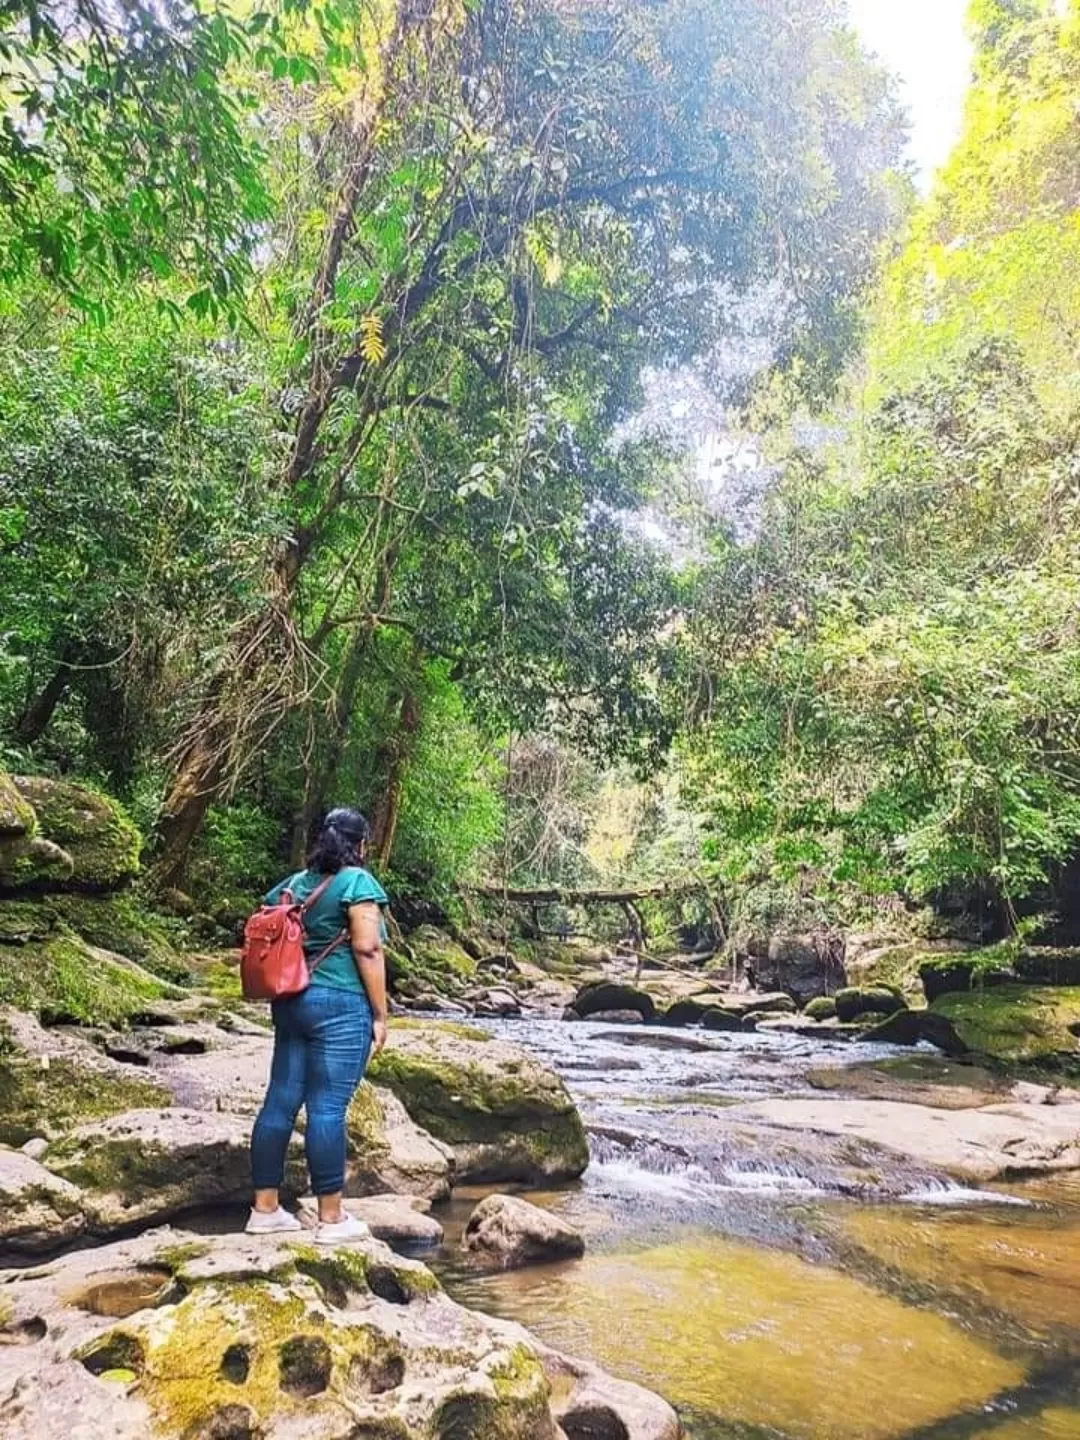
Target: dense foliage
(337, 491)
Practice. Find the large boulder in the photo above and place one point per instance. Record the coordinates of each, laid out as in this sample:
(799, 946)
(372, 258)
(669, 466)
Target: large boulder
(38, 1210)
(388, 1151)
(506, 1117)
(1016, 1023)
(803, 966)
(170, 1335)
(91, 829)
(755, 1002)
(145, 1166)
(508, 1233)
(594, 999)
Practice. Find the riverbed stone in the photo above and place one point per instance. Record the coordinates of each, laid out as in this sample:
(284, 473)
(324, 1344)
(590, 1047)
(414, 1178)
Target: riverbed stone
(761, 1002)
(272, 1338)
(504, 1115)
(683, 1012)
(399, 1220)
(852, 1002)
(1000, 1141)
(145, 1166)
(614, 1017)
(39, 1211)
(1016, 1023)
(606, 996)
(388, 1151)
(821, 1008)
(506, 1232)
(717, 1017)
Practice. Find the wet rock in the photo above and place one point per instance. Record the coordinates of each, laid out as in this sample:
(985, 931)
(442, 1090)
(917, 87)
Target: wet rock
(853, 1002)
(508, 1233)
(719, 1018)
(683, 1012)
(38, 1210)
(991, 1142)
(614, 1017)
(909, 1027)
(504, 1115)
(763, 1003)
(1047, 965)
(822, 1008)
(494, 1002)
(149, 1165)
(347, 1344)
(593, 999)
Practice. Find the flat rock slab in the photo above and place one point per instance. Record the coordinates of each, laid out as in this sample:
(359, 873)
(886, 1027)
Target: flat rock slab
(991, 1143)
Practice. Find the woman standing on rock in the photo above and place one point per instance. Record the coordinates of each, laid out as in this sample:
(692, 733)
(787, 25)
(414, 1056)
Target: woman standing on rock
(324, 1036)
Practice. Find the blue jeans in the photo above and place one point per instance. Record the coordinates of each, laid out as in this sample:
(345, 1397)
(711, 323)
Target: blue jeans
(322, 1039)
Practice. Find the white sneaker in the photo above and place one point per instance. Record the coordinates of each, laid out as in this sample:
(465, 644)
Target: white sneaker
(341, 1233)
(273, 1222)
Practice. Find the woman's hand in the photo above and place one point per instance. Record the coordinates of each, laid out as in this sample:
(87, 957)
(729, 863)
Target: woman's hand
(378, 1034)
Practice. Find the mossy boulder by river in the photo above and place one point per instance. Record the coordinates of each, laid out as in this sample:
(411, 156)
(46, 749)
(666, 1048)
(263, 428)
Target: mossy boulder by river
(1017, 1023)
(170, 1335)
(505, 1116)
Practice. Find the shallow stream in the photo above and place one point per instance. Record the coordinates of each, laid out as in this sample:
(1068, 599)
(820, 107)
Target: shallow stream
(800, 1289)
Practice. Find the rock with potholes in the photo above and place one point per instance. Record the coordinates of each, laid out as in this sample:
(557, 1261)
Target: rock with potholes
(170, 1335)
(508, 1233)
(506, 1117)
(592, 999)
(38, 1210)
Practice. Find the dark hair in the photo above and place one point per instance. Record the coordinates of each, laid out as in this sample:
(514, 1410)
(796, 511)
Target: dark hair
(335, 846)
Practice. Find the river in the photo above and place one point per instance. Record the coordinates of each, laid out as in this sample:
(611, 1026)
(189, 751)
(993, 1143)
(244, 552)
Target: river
(793, 1288)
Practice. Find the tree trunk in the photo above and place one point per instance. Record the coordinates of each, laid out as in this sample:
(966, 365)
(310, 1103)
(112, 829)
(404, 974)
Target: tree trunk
(34, 720)
(397, 751)
(321, 776)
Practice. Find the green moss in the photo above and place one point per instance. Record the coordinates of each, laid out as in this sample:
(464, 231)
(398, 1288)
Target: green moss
(444, 1027)
(125, 925)
(59, 977)
(34, 1101)
(174, 1257)
(1017, 1023)
(16, 815)
(470, 1104)
(518, 1410)
(90, 826)
(129, 1167)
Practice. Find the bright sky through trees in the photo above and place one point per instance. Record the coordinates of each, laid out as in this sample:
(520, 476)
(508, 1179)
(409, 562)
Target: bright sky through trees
(924, 42)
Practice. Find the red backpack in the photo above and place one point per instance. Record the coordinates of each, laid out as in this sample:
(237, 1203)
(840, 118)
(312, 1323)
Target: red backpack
(273, 965)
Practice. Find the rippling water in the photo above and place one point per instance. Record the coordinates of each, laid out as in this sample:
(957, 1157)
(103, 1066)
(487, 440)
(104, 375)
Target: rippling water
(792, 1287)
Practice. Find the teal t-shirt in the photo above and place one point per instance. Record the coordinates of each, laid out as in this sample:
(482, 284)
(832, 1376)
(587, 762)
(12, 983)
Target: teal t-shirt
(329, 916)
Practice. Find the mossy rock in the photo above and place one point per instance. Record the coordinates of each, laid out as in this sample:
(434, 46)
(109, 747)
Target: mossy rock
(505, 1115)
(36, 1101)
(822, 1008)
(124, 924)
(608, 996)
(17, 816)
(428, 960)
(54, 974)
(853, 1002)
(91, 828)
(1017, 1023)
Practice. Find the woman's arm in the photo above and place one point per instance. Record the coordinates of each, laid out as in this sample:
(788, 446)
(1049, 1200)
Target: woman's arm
(365, 935)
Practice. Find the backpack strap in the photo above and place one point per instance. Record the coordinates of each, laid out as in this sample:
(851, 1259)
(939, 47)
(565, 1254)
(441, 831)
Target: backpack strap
(316, 895)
